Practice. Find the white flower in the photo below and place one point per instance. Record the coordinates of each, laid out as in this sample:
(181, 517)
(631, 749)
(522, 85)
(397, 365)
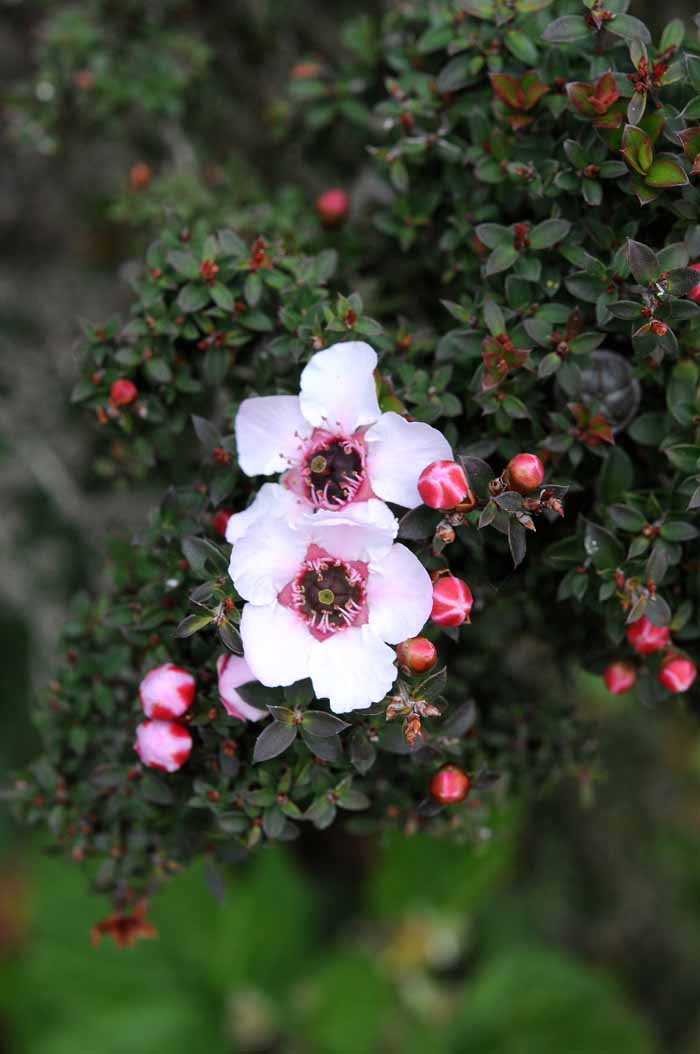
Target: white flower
(332, 442)
(326, 596)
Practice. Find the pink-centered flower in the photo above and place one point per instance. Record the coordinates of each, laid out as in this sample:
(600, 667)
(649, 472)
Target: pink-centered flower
(234, 672)
(332, 443)
(327, 594)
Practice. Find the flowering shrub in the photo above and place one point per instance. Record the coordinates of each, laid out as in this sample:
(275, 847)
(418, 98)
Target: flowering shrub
(517, 487)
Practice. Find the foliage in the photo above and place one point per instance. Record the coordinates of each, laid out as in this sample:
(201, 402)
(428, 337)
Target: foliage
(526, 283)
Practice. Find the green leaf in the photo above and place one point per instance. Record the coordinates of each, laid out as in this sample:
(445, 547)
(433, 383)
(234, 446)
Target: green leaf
(678, 531)
(222, 296)
(643, 262)
(184, 263)
(501, 259)
(192, 624)
(629, 28)
(192, 298)
(626, 518)
(566, 30)
(548, 233)
(602, 547)
(521, 45)
(666, 172)
(273, 741)
(319, 723)
(683, 456)
(493, 234)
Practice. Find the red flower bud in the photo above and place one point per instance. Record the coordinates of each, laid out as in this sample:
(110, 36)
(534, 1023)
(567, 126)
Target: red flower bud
(694, 293)
(219, 520)
(619, 677)
(443, 484)
(449, 785)
(416, 655)
(163, 745)
(677, 672)
(645, 637)
(332, 206)
(166, 692)
(525, 472)
(123, 392)
(452, 601)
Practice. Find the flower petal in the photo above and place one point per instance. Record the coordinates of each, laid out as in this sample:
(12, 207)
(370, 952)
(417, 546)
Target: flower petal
(364, 530)
(266, 558)
(338, 389)
(399, 596)
(234, 672)
(352, 669)
(270, 430)
(277, 644)
(397, 452)
(271, 500)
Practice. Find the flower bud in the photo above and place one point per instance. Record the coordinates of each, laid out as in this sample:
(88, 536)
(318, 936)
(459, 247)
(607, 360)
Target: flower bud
(645, 637)
(163, 745)
(442, 485)
(416, 655)
(694, 293)
(123, 392)
(449, 785)
(677, 672)
(619, 677)
(166, 692)
(332, 206)
(452, 601)
(219, 520)
(524, 472)
(140, 175)
(234, 672)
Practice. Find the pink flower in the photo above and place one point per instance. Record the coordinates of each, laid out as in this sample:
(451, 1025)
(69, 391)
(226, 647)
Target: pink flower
(619, 677)
(326, 596)
(234, 672)
(332, 443)
(164, 745)
(166, 691)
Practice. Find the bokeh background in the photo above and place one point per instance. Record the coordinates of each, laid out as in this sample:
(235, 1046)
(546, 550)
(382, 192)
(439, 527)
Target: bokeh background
(575, 928)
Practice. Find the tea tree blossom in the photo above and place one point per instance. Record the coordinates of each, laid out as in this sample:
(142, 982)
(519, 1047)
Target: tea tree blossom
(326, 596)
(332, 443)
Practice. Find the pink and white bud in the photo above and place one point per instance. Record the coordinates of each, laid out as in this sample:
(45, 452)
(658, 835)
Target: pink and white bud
(452, 601)
(332, 206)
(234, 673)
(694, 293)
(645, 637)
(524, 472)
(163, 745)
(416, 655)
(677, 673)
(166, 692)
(619, 677)
(442, 485)
(123, 392)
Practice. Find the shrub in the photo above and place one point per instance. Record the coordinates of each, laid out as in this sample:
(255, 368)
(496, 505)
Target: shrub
(530, 290)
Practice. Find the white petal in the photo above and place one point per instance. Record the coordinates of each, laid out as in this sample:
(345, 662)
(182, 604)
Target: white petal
(338, 389)
(399, 596)
(364, 530)
(271, 500)
(266, 558)
(277, 644)
(269, 433)
(352, 669)
(397, 452)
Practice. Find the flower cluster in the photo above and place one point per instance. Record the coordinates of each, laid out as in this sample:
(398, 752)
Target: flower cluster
(328, 589)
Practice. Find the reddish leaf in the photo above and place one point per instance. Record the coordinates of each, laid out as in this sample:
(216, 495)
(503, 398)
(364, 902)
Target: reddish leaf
(507, 88)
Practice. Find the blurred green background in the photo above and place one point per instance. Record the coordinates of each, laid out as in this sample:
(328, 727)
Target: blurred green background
(575, 929)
